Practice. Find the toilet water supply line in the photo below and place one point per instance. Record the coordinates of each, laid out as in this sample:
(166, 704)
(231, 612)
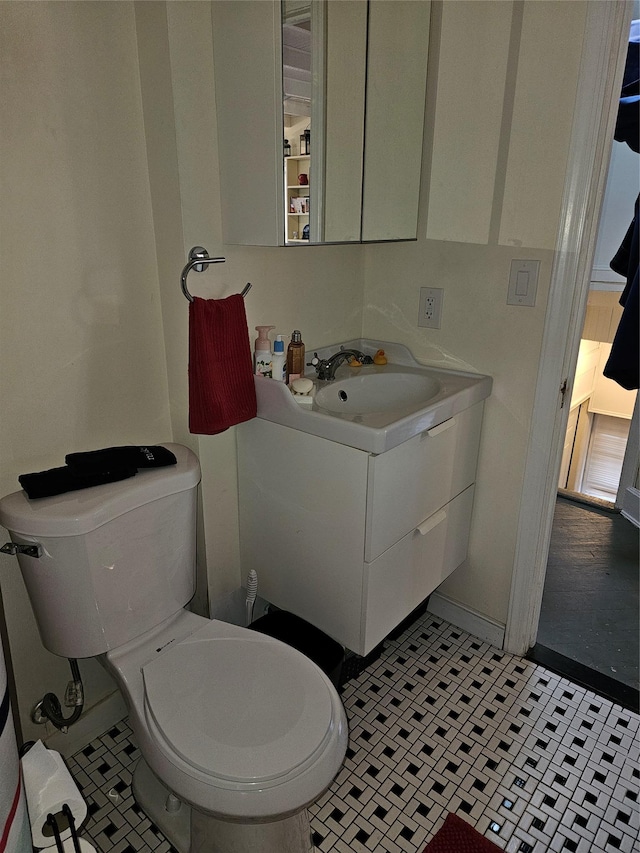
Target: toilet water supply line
(50, 709)
(252, 591)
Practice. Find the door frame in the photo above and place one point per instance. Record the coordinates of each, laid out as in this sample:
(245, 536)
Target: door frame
(602, 66)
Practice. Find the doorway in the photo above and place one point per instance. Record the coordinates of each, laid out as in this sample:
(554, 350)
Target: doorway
(589, 612)
(588, 622)
(589, 618)
(600, 410)
(594, 119)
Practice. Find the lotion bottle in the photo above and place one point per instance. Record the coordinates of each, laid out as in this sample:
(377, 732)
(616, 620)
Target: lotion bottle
(279, 360)
(295, 356)
(262, 356)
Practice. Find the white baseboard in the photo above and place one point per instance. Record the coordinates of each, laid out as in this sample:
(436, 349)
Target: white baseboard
(92, 723)
(463, 617)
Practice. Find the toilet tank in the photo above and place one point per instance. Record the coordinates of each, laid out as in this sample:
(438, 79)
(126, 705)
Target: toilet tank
(116, 560)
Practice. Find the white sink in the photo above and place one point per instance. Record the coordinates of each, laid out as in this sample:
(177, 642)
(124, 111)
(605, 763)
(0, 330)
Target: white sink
(374, 408)
(371, 389)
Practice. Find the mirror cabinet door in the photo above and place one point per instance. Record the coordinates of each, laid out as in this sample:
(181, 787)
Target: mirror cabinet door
(247, 66)
(345, 42)
(398, 42)
(353, 73)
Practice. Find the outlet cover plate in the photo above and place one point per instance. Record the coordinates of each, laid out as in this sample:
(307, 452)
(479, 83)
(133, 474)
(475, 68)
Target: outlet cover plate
(430, 309)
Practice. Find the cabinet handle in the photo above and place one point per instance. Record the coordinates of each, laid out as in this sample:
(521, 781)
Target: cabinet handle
(436, 430)
(431, 522)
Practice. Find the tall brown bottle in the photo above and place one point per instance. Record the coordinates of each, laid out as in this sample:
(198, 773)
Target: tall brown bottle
(295, 356)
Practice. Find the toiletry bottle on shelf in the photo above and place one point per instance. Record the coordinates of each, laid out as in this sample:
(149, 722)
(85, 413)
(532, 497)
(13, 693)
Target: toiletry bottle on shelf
(279, 360)
(295, 356)
(262, 355)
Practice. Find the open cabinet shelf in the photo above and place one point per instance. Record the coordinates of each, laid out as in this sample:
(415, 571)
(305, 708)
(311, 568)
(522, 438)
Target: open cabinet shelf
(296, 195)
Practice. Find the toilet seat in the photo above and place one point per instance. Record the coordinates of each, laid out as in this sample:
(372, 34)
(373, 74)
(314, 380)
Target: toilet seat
(240, 707)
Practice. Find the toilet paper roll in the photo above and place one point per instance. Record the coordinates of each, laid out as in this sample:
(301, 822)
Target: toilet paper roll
(48, 785)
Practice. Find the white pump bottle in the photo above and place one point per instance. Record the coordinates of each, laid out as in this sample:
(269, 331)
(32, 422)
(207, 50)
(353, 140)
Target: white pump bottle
(279, 360)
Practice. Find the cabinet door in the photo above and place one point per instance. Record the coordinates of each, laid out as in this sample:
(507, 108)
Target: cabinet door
(399, 580)
(396, 87)
(302, 516)
(410, 482)
(247, 53)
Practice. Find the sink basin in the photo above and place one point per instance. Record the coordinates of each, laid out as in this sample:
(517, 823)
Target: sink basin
(376, 389)
(374, 408)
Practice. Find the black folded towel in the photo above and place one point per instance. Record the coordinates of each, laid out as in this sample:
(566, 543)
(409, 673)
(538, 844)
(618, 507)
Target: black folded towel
(99, 461)
(56, 481)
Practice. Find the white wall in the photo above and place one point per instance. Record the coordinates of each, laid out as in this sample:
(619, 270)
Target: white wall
(109, 169)
(81, 343)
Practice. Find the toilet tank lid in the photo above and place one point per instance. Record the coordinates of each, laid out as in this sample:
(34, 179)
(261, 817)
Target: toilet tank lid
(77, 513)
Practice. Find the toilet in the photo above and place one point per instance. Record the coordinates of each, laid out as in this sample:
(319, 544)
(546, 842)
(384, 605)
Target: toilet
(238, 732)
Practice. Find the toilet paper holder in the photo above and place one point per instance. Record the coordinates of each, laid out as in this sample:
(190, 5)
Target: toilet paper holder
(70, 823)
(54, 802)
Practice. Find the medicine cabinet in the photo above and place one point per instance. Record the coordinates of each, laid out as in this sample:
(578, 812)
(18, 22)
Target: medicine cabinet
(362, 95)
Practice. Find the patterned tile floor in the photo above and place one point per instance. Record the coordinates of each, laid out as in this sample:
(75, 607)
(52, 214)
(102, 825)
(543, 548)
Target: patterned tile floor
(440, 722)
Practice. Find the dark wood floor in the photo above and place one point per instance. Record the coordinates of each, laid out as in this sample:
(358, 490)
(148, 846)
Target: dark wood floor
(590, 608)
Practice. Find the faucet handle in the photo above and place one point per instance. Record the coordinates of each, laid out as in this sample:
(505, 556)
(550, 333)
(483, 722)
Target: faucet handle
(315, 361)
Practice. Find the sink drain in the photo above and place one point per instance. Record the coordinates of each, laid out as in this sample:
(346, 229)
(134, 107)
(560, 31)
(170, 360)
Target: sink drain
(343, 396)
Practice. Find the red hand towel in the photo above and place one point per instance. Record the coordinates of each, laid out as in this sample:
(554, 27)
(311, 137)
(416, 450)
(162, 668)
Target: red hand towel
(221, 389)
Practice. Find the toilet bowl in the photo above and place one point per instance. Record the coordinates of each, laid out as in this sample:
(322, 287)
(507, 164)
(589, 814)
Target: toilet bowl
(235, 723)
(242, 731)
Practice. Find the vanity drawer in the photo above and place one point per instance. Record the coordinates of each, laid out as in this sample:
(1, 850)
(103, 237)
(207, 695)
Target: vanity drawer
(410, 482)
(401, 578)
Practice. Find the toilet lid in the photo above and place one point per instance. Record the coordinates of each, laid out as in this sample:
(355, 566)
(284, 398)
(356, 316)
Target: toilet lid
(241, 708)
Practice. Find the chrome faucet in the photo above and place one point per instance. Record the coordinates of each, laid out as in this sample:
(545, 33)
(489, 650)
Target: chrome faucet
(326, 367)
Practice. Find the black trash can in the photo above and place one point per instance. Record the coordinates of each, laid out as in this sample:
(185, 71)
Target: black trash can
(306, 638)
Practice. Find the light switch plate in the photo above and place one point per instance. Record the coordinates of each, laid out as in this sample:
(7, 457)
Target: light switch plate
(523, 283)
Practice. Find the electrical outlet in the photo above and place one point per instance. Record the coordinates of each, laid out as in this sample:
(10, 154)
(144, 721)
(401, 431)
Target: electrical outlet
(430, 310)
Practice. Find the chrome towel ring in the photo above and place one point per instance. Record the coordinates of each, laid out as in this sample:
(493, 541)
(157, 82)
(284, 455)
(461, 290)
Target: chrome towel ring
(198, 259)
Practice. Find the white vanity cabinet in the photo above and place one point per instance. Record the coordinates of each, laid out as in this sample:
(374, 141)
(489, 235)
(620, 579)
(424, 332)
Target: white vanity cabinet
(349, 540)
